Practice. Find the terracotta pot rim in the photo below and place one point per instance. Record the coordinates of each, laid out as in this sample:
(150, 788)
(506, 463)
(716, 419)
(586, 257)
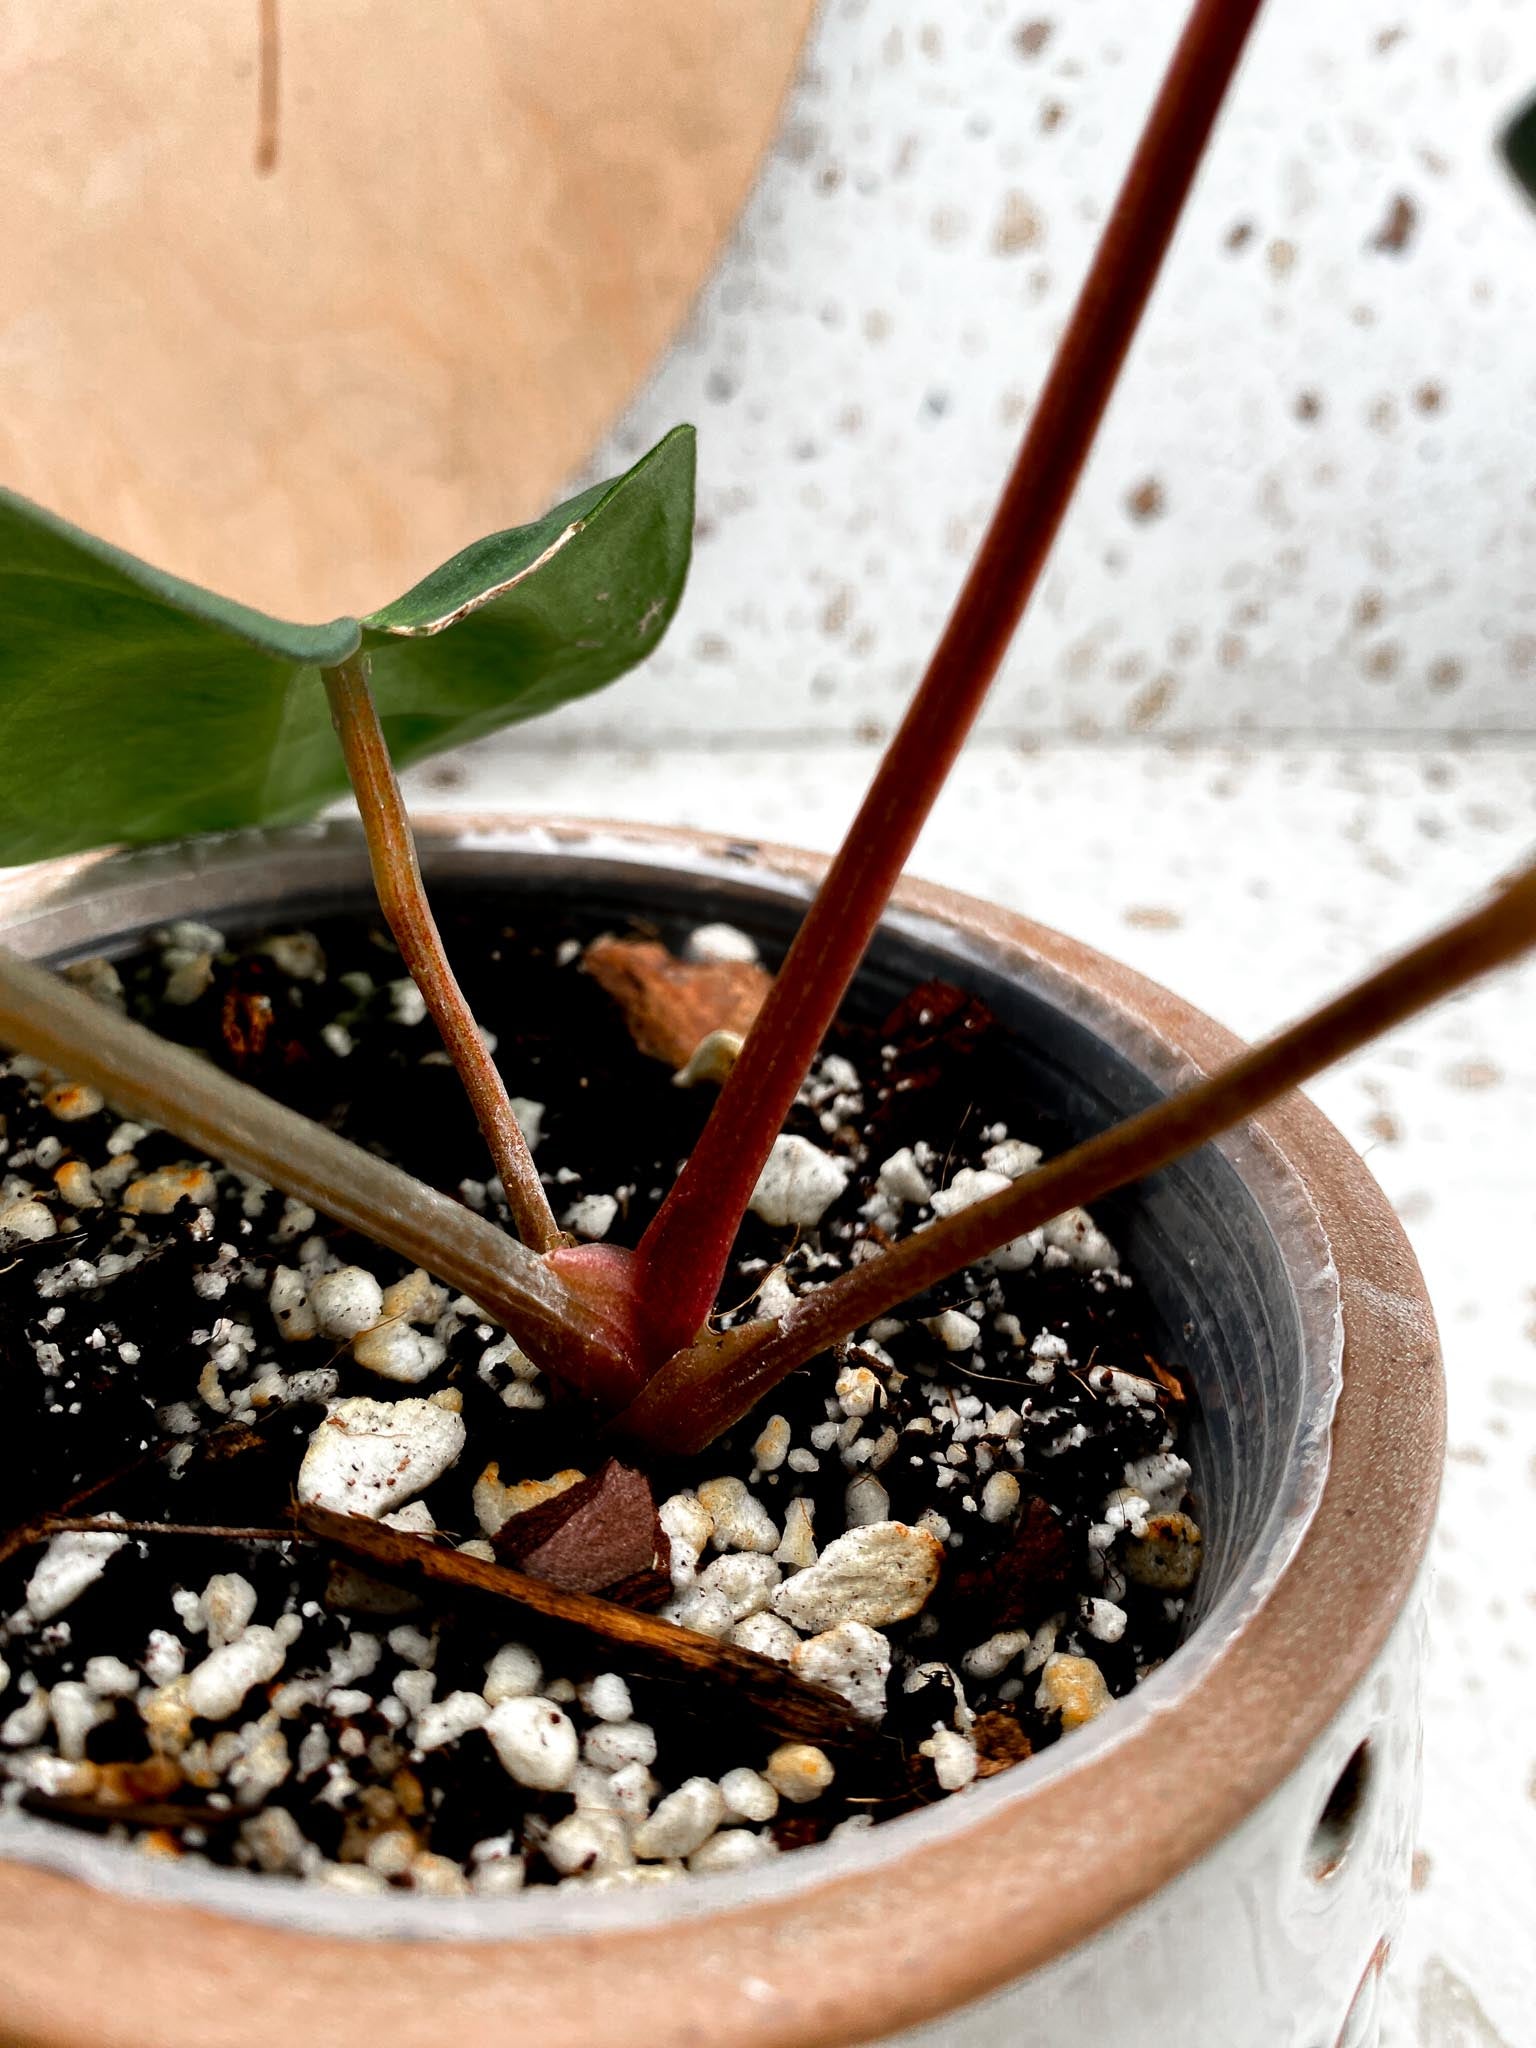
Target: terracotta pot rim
(1113, 1804)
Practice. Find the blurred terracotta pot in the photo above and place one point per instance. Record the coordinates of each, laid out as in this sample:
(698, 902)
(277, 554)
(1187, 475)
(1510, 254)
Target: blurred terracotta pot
(1222, 1858)
(298, 299)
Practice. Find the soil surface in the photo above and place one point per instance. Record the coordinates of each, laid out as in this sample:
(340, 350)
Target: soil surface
(969, 1526)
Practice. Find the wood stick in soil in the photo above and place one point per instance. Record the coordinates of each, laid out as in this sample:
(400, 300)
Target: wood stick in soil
(714, 1383)
(214, 1532)
(684, 1252)
(25, 1534)
(130, 1813)
(147, 1077)
(403, 899)
(764, 1690)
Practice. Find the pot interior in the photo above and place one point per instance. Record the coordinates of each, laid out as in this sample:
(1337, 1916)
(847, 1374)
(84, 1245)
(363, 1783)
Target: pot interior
(1224, 1244)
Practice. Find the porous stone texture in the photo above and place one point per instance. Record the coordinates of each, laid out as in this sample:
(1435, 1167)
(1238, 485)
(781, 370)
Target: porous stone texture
(1308, 509)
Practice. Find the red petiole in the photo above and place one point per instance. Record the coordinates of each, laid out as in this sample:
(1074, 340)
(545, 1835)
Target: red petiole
(711, 1384)
(682, 1257)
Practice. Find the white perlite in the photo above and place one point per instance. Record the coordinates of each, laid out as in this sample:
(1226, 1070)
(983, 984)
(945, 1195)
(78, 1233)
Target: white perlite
(446, 1720)
(798, 1184)
(106, 1676)
(218, 1685)
(76, 1711)
(589, 1841)
(881, 1573)
(903, 1180)
(606, 1697)
(228, 1603)
(74, 1560)
(1161, 1478)
(851, 1660)
(767, 1635)
(592, 1217)
(797, 1546)
(1077, 1235)
(772, 1446)
(620, 1745)
(288, 1299)
(1104, 1620)
(535, 1742)
(720, 945)
(999, 1497)
(732, 1849)
(346, 1302)
(857, 1390)
(711, 1059)
(745, 1579)
(953, 1756)
(689, 1526)
(748, 1795)
(512, 1674)
(397, 1352)
(1011, 1156)
(968, 1187)
(740, 1520)
(25, 1222)
(954, 1330)
(683, 1821)
(865, 1502)
(368, 1456)
(701, 1609)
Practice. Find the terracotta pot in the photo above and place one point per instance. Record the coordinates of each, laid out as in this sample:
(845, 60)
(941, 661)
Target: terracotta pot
(299, 300)
(1221, 1859)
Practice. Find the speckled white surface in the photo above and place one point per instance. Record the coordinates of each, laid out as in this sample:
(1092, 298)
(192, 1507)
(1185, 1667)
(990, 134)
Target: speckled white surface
(1331, 439)
(1254, 882)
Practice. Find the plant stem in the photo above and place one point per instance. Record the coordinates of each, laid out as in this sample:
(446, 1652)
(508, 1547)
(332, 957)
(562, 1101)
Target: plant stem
(403, 899)
(706, 1388)
(684, 1252)
(148, 1077)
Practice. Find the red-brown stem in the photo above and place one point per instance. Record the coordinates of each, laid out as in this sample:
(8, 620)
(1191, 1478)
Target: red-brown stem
(403, 900)
(706, 1388)
(683, 1255)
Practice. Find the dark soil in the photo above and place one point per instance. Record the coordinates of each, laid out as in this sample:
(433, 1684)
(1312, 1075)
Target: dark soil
(107, 1411)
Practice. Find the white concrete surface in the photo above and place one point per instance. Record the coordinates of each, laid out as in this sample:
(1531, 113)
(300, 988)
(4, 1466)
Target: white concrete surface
(1342, 435)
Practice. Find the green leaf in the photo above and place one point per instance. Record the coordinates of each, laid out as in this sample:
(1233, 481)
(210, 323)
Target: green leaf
(135, 706)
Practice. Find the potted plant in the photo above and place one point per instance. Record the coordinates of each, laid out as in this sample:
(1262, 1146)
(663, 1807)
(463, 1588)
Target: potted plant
(1073, 1880)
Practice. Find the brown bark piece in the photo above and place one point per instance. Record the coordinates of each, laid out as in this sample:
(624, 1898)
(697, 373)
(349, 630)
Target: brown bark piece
(934, 1026)
(133, 1813)
(1025, 1583)
(244, 1024)
(1170, 1384)
(623, 1638)
(596, 1534)
(671, 1004)
(1000, 1743)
